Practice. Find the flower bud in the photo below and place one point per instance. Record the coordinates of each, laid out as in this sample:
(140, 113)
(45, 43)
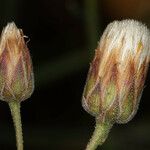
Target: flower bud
(16, 74)
(117, 73)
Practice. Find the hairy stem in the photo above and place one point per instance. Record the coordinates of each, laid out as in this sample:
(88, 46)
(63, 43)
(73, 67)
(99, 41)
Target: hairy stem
(15, 112)
(99, 136)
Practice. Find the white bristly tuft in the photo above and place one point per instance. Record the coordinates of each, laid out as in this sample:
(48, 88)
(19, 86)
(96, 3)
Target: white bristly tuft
(126, 36)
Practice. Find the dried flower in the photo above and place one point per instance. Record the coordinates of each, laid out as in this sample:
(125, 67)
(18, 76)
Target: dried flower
(116, 77)
(117, 73)
(16, 75)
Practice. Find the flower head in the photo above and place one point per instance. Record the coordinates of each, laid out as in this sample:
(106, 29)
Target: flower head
(16, 74)
(117, 73)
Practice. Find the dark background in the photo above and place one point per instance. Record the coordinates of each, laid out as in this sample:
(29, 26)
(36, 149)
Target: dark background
(63, 35)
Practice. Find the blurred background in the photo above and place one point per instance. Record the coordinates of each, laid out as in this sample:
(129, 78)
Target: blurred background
(63, 35)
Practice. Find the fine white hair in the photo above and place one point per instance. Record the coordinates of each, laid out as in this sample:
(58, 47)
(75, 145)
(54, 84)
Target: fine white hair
(127, 35)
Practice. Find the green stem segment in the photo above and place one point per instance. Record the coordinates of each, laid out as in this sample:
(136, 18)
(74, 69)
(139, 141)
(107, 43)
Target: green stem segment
(15, 112)
(99, 136)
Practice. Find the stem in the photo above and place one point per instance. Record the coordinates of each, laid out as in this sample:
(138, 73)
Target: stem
(91, 23)
(15, 112)
(99, 136)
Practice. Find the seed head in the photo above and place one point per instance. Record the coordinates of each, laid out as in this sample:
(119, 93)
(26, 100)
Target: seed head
(117, 73)
(16, 74)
